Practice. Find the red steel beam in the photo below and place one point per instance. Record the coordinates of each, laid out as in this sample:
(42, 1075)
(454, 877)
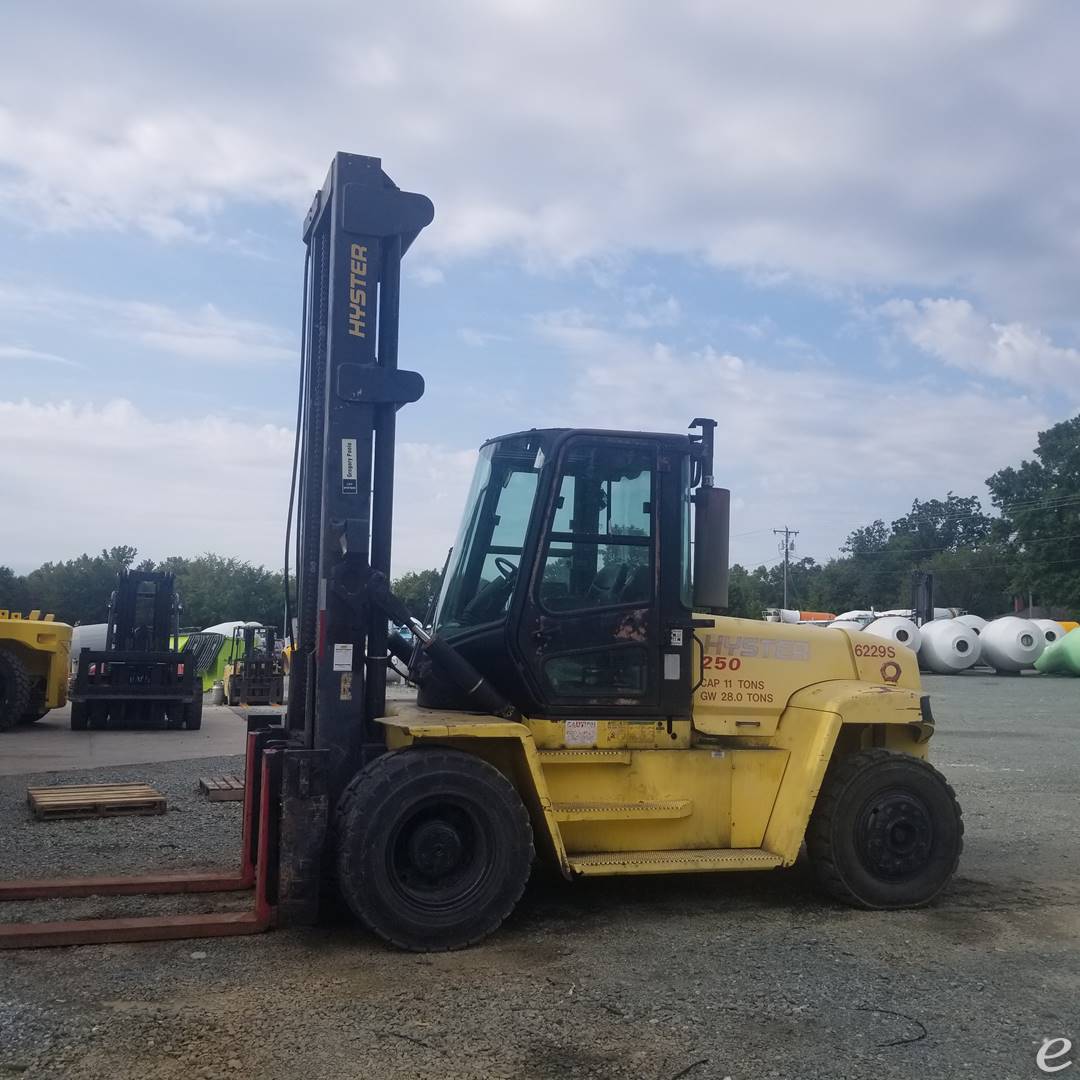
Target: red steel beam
(157, 927)
(171, 881)
(143, 928)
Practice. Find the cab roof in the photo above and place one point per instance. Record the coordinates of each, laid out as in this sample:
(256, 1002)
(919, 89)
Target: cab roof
(551, 436)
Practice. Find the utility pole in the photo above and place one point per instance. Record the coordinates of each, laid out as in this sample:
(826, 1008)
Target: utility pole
(787, 548)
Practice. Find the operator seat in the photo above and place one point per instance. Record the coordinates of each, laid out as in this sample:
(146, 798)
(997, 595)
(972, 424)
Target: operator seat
(607, 585)
(638, 587)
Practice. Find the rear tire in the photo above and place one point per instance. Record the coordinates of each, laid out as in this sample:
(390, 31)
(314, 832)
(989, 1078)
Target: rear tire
(80, 715)
(16, 688)
(886, 831)
(193, 713)
(175, 715)
(98, 715)
(434, 848)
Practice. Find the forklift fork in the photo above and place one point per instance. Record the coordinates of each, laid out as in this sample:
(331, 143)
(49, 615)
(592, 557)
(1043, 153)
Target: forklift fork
(275, 776)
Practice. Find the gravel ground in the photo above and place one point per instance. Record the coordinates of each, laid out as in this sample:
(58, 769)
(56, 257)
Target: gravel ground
(740, 976)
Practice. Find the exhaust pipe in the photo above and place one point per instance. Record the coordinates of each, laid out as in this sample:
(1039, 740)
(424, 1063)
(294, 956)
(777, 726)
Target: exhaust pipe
(712, 529)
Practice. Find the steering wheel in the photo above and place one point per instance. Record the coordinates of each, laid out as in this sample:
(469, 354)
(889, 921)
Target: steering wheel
(506, 568)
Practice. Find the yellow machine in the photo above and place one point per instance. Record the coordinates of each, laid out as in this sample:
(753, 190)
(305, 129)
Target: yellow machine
(34, 655)
(733, 788)
(583, 695)
(633, 728)
(254, 674)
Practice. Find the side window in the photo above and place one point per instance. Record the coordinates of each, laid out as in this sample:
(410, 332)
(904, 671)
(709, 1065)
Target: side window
(599, 548)
(622, 671)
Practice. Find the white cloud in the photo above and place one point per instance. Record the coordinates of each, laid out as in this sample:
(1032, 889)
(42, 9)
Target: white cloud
(426, 274)
(871, 144)
(183, 485)
(649, 306)
(812, 446)
(479, 339)
(18, 352)
(204, 334)
(952, 331)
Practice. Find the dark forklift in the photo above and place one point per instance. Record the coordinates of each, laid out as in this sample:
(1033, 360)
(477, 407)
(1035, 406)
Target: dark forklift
(141, 678)
(253, 672)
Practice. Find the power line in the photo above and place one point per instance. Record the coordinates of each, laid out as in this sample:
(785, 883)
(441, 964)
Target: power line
(1054, 502)
(903, 552)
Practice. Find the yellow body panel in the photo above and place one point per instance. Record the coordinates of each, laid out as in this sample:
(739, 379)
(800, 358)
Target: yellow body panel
(733, 788)
(44, 646)
(751, 669)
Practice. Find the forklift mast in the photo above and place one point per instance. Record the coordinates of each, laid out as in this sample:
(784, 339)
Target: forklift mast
(356, 232)
(252, 643)
(144, 612)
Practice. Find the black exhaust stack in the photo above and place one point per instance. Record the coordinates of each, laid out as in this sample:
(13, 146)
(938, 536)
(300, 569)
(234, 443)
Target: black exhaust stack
(712, 529)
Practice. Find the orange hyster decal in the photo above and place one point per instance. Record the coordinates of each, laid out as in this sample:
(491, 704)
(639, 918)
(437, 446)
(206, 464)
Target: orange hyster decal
(749, 647)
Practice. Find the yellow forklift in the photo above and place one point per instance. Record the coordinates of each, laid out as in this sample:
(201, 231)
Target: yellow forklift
(253, 673)
(583, 699)
(34, 658)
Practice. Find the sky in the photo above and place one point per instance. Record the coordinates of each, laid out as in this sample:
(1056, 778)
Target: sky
(850, 232)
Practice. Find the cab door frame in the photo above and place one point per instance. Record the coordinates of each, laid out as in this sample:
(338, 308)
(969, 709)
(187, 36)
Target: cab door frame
(538, 634)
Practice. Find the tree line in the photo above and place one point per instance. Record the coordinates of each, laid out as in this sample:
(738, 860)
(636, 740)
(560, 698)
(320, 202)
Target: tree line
(980, 561)
(213, 588)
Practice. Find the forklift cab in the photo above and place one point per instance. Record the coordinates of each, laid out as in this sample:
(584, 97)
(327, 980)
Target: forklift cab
(570, 583)
(251, 643)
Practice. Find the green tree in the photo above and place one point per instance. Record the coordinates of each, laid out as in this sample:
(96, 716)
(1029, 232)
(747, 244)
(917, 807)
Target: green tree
(953, 524)
(78, 590)
(745, 592)
(418, 590)
(976, 580)
(13, 593)
(215, 588)
(870, 539)
(1040, 517)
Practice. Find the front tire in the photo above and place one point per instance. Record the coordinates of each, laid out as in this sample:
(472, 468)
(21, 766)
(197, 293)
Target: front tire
(16, 689)
(434, 848)
(886, 831)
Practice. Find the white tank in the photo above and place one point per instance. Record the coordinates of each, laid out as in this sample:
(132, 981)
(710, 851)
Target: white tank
(847, 624)
(87, 636)
(973, 622)
(226, 628)
(949, 646)
(858, 616)
(781, 615)
(1052, 631)
(1012, 644)
(896, 628)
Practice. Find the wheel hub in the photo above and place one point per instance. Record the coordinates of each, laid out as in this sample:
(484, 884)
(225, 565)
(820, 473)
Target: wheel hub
(435, 848)
(895, 835)
(438, 854)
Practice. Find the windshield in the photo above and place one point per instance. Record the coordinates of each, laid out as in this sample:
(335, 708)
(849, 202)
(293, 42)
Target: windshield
(483, 567)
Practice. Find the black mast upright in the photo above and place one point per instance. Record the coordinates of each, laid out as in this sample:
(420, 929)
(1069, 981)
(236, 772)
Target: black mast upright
(359, 227)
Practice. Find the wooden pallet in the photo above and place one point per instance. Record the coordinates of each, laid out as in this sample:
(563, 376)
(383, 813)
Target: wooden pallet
(222, 788)
(94, 800)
